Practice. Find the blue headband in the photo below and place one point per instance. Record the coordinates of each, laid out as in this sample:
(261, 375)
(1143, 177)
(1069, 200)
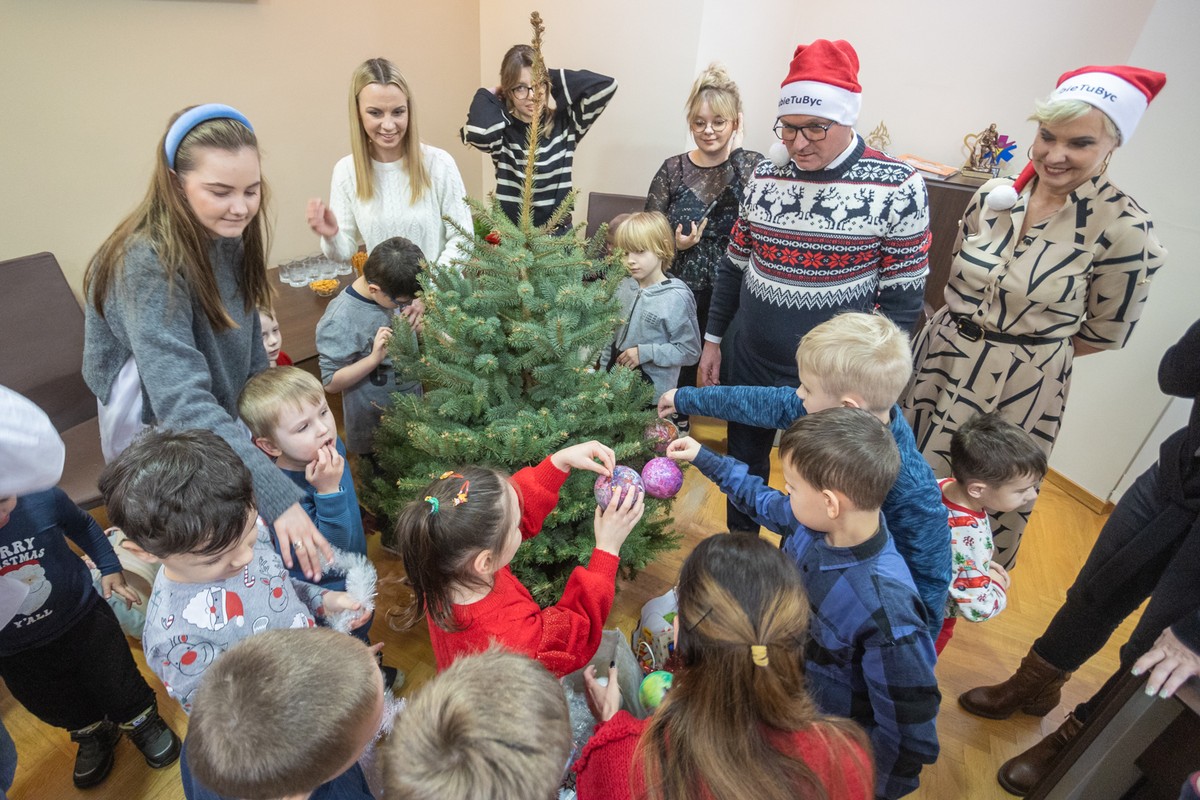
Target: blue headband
(190, 119)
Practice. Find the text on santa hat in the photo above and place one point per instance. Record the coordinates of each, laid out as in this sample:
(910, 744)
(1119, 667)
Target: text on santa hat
(1089, 89)
(806, 100)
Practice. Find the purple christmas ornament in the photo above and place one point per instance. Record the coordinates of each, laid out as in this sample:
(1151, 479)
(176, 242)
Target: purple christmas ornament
(661, 433)
(622, 478)
(662, 478)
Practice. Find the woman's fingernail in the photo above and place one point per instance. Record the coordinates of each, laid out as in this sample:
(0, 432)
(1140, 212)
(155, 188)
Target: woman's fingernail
(1150, 690)
(1136, 671)
(612, 664)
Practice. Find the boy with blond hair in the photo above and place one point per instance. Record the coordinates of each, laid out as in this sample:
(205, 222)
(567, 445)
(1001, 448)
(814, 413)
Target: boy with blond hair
(494, 724)
(286, 714)
(862, 361)
(288, 416)
(869, 654)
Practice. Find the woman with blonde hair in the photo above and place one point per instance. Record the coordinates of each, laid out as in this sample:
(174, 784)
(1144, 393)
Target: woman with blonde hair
(1053, 266)
(700, 191)
(391, 184)
(737, 721)
(172, 331)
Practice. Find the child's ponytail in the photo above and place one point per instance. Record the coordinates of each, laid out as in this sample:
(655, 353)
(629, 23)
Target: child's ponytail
(455, 518)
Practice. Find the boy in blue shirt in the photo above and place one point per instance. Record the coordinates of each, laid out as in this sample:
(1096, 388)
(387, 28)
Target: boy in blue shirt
(859, 361)
(286, 412)
(869, 655)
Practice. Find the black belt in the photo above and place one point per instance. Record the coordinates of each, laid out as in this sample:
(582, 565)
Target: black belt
(972, 331)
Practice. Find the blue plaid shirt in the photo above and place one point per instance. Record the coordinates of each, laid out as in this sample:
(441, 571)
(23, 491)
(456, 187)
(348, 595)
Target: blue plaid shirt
(913, 507)
(869, 655)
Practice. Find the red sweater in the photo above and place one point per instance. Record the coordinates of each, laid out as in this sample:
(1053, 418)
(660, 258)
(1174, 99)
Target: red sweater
(563, 637)
(605, 769)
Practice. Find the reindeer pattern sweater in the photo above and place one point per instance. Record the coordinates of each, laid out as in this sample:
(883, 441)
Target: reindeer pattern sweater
(563, 637)
(812, 244)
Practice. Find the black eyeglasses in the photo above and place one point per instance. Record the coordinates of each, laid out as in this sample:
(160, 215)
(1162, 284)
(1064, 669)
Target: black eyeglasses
(521, 91)
(812, 132)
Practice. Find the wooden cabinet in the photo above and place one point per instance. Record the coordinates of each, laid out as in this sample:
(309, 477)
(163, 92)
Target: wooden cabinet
(948, 199)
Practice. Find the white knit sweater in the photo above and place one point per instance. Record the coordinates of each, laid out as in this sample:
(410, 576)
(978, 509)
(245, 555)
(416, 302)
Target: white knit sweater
(391, 213)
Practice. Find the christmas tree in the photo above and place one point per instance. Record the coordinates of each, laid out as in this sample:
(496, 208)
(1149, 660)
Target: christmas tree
(506, 359)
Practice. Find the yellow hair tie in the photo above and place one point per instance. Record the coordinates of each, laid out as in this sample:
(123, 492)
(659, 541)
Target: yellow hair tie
(759, 653)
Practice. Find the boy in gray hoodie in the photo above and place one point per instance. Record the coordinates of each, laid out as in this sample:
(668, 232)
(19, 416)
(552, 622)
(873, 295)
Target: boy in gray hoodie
(660, 333)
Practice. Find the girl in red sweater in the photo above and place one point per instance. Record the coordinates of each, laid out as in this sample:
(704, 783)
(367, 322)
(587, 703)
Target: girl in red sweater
(457, 543)
(737, 721)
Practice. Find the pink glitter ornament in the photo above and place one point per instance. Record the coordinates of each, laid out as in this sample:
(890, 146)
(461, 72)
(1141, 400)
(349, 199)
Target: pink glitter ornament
(662, 478)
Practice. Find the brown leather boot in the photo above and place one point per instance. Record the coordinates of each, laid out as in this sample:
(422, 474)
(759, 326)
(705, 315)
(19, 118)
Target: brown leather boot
(1035, 689)
(1020, 774)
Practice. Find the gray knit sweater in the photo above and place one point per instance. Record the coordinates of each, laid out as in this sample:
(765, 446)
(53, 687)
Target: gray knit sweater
(191, 375)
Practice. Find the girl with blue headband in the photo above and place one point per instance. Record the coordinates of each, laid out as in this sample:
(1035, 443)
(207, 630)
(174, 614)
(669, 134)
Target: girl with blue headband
(172, 328)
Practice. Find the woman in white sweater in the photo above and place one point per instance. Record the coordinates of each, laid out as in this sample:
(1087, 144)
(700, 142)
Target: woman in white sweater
(390, 184)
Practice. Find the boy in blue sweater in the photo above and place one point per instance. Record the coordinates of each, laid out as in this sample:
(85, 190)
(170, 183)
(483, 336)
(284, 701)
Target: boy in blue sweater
(286, 412)
(858, 361)
(869, 655)
(64, 656)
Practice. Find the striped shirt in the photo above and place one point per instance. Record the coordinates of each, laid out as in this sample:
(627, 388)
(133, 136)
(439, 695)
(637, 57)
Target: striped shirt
(579, 98)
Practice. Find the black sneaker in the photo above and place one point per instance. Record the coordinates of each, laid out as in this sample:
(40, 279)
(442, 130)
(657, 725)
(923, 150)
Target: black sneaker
(153, 737)
(94, 760)
(393, 678)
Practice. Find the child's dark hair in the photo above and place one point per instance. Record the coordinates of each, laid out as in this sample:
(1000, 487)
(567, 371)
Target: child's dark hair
(990, 449)
(439, 538)
(844, 449)
(175, 492)
(394, 265)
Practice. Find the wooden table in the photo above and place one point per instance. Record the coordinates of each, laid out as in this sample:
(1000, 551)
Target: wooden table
(298, 309)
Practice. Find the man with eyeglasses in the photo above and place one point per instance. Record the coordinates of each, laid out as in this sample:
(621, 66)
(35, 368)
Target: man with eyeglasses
(828, 225)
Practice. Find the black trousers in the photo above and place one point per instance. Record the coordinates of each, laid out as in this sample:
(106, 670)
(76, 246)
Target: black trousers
(1085, 622)
(751, 446)
(84, 675)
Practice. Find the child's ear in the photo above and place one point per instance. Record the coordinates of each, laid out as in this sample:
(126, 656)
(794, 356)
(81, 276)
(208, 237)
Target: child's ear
(267, 446)
(833, 503)
(975, 489)
(140, 554)
(483, 563)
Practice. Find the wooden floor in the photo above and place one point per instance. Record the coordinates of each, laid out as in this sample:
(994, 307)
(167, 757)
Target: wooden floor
(1057, 541)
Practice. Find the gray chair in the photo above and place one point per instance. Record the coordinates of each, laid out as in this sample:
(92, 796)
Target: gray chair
(41, 325)
(603, 207)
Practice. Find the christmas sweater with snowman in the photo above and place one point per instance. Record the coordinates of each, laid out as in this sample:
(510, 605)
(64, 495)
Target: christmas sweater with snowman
(974, 596)
(189, 625)
(33, 550)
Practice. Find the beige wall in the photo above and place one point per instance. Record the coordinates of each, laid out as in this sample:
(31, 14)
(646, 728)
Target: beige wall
(88, 86)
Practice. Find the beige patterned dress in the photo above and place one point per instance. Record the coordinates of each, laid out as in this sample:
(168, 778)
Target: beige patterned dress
(1085, 272)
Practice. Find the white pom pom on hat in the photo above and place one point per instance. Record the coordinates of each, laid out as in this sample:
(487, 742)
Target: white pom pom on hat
(779, 154)
(1122, 93)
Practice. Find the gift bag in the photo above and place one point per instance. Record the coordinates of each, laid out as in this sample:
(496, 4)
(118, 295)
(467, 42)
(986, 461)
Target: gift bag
(654, 640)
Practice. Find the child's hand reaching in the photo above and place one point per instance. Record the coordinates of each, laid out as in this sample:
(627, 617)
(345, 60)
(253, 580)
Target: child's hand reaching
(116, 583)
(337, 602)
(379, 348)
(583, 456)
(685, 449)
(604, 700)
(666, 403)
(325, 471)
(615, 522)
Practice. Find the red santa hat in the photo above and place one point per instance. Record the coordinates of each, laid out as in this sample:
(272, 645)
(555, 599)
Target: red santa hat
(823, 81)
(1122, 93)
